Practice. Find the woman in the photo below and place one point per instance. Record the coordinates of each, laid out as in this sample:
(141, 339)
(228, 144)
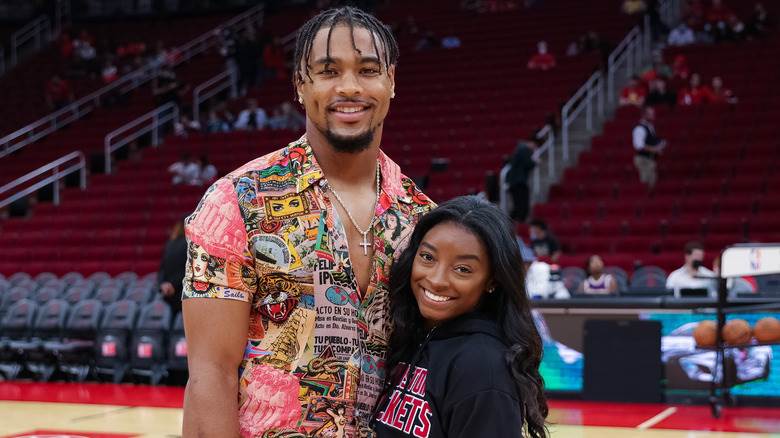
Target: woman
(598, 282)
(464, 352)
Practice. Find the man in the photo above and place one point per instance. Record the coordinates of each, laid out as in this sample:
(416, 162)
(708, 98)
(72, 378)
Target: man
(544, 244)
(634, 93)
(647, 147)
(520, 167)
(692, 275)
(541, 60)
(253, 118)
(292, 245)
(682, 35)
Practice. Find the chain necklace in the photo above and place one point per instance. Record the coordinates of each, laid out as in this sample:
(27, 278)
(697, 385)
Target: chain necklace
(365, 244)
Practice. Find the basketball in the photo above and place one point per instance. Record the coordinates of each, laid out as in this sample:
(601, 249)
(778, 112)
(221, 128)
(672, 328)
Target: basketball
(705, 333)
(737, 332)
(767, 330)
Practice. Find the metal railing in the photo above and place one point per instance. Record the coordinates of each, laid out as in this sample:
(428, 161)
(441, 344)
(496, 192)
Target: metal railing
(78, 109)
(546, 149)
(151, 122)
(589, 98)
(2, 61)
(36, 33)
(58, 173)
(205, 91)
(629, 55)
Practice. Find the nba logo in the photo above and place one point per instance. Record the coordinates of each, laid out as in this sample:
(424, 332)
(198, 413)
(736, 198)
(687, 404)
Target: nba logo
(108, 349)
(144, 350)
(755, 259)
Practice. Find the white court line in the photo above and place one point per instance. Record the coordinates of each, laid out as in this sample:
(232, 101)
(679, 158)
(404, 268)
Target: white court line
(663, 415)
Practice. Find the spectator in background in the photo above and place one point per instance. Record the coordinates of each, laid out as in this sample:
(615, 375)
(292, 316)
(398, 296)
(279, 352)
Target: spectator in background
(541, 60)
(758, 25)
(228, 50)
(450, 42)
(427, 42)
(166, 87)
(660, 95)
(598, 282)
(58, 93)
(110, 72)
(208, 172)
(66, 46)
(249, 55)
(634, 93)
(275, 59)
(693, 274)
(85, 59)
(720, 95)
(659, 69)
(541, 281)
(172, 266)
(253, 118)
(682, 35)
(185, 126)
(521, 165)
(286, 117)
(215, 123)
(680, 69)
(185, 171)
(647, 147)
(634, 7)
(544, 244)
(717, 19)
(695, 93)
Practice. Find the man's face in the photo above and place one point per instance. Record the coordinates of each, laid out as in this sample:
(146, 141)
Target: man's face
(348, 95)
(536, 232)
(649, 114)
(695, 255)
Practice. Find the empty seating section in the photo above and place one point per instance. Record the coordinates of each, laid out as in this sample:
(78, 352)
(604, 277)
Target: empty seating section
(717, 178)
(87, 337)
(450, 104)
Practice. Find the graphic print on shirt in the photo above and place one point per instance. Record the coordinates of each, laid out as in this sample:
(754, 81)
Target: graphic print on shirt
(407, 410)
(314, 355)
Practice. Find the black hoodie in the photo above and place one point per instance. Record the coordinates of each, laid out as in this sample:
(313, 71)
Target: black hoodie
(460, 386)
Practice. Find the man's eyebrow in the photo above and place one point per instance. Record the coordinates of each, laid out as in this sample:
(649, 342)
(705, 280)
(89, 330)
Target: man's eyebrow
(331, 60)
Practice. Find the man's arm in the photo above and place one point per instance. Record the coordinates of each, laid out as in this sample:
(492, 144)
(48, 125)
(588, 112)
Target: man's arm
(216, 333)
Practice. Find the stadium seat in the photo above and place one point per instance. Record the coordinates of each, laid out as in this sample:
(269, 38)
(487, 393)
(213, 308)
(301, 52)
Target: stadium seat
(140, 293)
(148, 349)
(45, 294)
(74, 352)
(48, 327)
(17, 325)
(108, 294)
(112, 357)
(177, 346)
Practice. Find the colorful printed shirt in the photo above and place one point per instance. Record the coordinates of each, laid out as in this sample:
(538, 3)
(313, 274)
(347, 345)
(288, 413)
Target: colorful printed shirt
(269, 235)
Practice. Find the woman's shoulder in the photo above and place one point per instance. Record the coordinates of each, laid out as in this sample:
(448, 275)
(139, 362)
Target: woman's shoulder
(480, 362)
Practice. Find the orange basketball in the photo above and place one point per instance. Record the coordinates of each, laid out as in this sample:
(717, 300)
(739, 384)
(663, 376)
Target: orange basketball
(704, 334)
(737, 332)
(767, 330)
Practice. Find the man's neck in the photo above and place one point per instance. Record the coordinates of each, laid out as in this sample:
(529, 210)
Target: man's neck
(691, 270)
(345, 169)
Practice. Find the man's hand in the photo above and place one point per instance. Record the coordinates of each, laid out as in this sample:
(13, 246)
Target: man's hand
(167, 289)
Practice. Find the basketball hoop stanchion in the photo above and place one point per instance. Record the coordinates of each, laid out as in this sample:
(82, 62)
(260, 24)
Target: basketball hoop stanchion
(738, 261)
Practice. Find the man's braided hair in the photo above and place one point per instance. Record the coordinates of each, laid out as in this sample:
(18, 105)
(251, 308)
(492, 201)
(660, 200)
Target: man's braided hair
(349, 16)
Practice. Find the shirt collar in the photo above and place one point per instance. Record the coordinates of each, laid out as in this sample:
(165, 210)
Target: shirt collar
(300, 156)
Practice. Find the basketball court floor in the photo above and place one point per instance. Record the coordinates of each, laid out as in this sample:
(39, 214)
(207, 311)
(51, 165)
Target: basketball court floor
(62, 410)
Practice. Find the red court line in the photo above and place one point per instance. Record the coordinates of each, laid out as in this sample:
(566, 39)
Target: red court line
(579, 413)
(94, 393)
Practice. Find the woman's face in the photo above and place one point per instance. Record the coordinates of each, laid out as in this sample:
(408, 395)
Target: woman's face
(596, 265)
(200, 261)
(450, 273)
(392, 222)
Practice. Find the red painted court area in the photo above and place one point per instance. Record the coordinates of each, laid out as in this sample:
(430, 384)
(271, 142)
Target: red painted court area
(563, 412)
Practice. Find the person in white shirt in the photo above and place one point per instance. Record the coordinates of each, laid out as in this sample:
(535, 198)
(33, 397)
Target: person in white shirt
(692, 275)
(252, 118)
(185, 171)
(208, 173)
(538, 282)
(682, 35)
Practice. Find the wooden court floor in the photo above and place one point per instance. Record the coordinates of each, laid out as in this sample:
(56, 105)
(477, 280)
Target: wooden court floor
(60, 410)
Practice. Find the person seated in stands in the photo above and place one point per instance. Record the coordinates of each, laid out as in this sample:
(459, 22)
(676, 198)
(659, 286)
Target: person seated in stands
(252, 118)
(185, 126)
(695, 93)
(717, 20)
(634, 7)
(208, 172)
(58, 93)
(215, 123)
(539, 281)
(759, 24)
(541, 60)
(693, 274)
(659, 69)
(598, 282)
(450, 42)
(544, 244)
(721, 95)
(682, 35)
(659, 94)
(167, 88)
(185, 171)
(286, 117)
(86, 61)
(681, 73)
(634, 93)
(110, 72)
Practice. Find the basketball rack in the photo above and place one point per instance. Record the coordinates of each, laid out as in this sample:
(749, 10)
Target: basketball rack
(737, 261)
